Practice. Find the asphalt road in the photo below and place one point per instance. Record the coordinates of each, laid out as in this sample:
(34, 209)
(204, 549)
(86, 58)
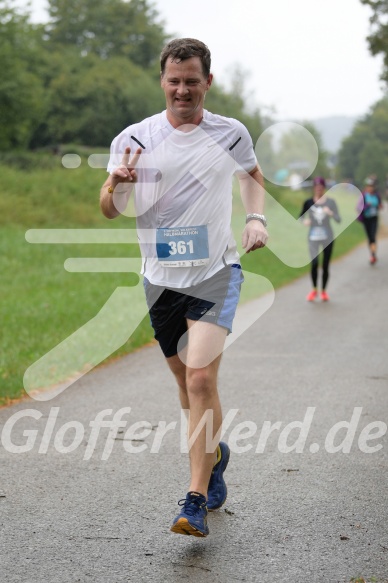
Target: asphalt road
(318, 514)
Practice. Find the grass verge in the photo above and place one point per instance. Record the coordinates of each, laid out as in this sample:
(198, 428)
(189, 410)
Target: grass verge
(43, 304)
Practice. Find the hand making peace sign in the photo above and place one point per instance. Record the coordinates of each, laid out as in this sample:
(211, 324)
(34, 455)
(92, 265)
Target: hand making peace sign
(126, 171)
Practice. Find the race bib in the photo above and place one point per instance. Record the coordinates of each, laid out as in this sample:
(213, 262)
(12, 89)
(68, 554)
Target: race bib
(370, 212)
(182, 246)
(318, 233)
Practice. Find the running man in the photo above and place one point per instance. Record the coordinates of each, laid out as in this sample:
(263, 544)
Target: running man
(180, 164)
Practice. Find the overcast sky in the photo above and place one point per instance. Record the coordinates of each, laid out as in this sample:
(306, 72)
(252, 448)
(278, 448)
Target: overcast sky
(305, 59)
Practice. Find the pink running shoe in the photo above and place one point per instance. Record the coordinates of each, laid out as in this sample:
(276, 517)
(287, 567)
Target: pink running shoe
(312, 295)
(324, 296)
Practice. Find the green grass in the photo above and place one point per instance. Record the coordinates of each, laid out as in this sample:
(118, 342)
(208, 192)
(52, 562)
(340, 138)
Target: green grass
(42, 304)
(372, 579)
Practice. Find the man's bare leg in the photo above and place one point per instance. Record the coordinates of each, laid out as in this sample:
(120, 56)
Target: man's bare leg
(178, 368)
(181, 372)
(202, 393)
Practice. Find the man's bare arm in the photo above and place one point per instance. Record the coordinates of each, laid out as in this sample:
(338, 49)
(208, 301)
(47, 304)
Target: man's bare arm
(124, 175)
(252, 195)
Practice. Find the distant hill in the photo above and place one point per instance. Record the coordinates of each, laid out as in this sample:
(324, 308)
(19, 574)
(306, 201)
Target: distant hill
(333, 130)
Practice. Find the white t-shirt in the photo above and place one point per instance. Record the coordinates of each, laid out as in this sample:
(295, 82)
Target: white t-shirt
(183, 197)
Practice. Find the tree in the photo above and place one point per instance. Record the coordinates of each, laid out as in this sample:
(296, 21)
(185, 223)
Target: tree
(232, 101)
(92, 100)
(108, 28)
(89, 72)
(22, 100)
(373, 160)
(350, 152)
(365, 151)
(378, 39)
(321, 168)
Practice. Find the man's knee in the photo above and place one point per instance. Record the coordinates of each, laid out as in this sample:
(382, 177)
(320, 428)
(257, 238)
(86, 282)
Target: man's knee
(200, 382)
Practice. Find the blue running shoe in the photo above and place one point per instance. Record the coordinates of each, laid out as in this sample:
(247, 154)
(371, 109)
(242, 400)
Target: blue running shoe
(217, 490)
(193, 516)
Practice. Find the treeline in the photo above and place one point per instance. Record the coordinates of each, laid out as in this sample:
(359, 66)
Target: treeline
(93, 69)
(87, 73)
(365, 151)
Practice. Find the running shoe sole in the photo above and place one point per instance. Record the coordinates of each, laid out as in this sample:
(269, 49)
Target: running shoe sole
(183, 526)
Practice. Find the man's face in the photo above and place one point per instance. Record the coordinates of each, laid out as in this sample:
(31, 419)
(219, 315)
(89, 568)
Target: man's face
(185, 86)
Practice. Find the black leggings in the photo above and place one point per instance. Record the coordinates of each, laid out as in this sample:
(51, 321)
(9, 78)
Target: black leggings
(326, 254)
(371, 225)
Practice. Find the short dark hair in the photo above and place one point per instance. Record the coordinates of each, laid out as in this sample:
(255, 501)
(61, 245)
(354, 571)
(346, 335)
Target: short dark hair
(181, 49)
(319, 180)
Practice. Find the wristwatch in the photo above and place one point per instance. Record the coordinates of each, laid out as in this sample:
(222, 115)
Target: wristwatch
(256, 217)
